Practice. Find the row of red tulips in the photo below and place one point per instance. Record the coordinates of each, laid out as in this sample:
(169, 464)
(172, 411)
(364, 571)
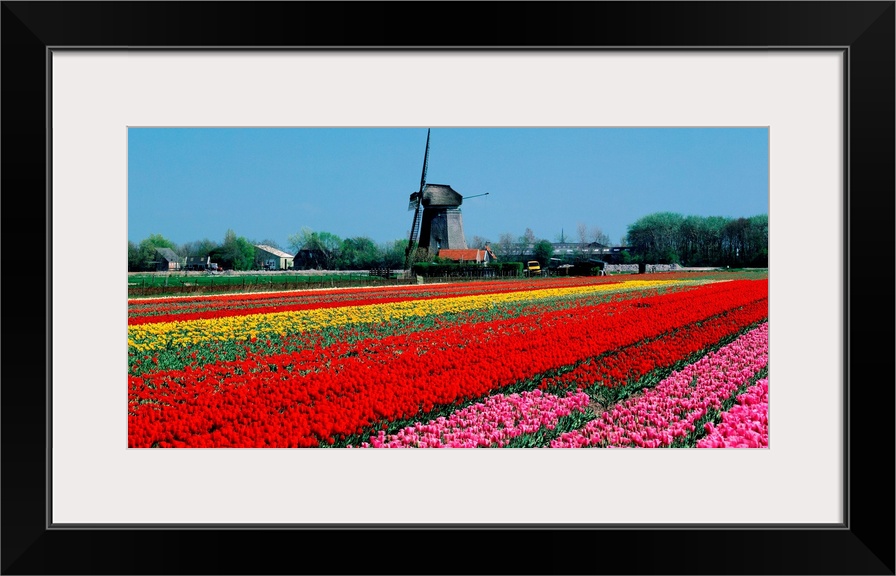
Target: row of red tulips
(320, 340)
(633, 363)
(149, 310)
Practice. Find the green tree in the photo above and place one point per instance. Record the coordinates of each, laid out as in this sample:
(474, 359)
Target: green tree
(146, 256)
(393, 254)
(710, 244)
(735, 234)
(687, 241)
(543, 252)
(245, 252)
(757, 242)
(324, 246)
(655, 237)
(235, 252)
(359, 253)
(133, 257)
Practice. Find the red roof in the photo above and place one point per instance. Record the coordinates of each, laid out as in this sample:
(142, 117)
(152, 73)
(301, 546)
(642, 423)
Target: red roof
(465, 254)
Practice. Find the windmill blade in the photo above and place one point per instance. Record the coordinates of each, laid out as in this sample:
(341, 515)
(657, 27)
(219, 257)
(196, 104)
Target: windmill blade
(416, 197)
(415, 230)
(425, 163)
(414, 204)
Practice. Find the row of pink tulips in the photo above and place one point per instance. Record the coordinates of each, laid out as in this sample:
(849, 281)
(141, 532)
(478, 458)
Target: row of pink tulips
(491, 423)
(668, 412)
(745, 425)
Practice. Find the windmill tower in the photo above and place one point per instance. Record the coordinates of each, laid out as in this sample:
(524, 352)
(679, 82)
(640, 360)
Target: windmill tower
(437, 222)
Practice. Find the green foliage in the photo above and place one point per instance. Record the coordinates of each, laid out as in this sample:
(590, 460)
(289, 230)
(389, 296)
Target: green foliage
(359, 253)
(449, 268)
(235, 253)
(543, 436)
(323, 249)
(629, 257)
(393, 254)
(441, 268)
(508, 268)
(543, 251)
(133, 257)
(183, 283)
(143, 257)
(669, 238)
(244, 255)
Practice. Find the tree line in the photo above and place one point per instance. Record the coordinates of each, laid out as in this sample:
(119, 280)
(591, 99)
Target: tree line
(658, 238)
(315, 250)
(670, 238)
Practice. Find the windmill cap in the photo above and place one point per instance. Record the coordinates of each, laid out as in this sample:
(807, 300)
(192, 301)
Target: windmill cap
(441, 195)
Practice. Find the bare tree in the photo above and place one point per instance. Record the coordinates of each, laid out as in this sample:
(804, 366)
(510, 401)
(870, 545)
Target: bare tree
(582, 232)
(506, 245)
(478, 242)
(527, 242)
(271, 243)
(598, 235)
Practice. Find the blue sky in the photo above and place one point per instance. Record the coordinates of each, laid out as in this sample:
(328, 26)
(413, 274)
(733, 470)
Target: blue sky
(189, 184)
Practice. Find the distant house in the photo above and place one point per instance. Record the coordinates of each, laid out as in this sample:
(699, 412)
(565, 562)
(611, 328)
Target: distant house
(200, 263)
(308, 258)
(271, 258)
(522, 252)
(469, 255)
(168, 260)
(576, 248)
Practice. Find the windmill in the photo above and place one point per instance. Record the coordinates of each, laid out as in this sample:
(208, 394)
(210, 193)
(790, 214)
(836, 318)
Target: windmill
(437, 222)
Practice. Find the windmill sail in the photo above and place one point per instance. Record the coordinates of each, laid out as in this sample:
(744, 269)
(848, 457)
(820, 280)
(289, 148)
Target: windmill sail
(414, 204)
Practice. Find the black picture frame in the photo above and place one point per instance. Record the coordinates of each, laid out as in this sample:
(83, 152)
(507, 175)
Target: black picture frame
(864, 544)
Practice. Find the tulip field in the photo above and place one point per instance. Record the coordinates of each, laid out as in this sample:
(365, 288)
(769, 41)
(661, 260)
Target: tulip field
(631, 361)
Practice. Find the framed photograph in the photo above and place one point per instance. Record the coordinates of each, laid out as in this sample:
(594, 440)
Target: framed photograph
(817, 77)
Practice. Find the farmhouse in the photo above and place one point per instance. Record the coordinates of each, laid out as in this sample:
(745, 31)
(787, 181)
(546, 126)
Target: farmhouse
(168, 260)
(271, 258)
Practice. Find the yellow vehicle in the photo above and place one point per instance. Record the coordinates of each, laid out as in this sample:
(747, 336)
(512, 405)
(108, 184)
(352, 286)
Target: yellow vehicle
(533, 268)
